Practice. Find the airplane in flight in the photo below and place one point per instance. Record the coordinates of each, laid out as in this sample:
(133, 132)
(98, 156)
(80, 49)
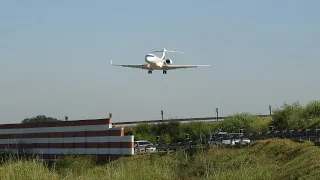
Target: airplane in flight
(154, 62)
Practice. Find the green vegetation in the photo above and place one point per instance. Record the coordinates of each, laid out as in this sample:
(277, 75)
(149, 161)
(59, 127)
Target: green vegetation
(248, 122)
(175, 131)
(39, 118)
(267, 159)
(296, 116)
(172, 131)
(287, 117)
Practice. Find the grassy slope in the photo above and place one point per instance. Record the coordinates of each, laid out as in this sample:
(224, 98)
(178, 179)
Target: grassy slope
(267, 159)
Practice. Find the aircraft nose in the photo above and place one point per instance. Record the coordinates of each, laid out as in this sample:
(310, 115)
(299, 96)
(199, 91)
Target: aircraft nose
(146, 58)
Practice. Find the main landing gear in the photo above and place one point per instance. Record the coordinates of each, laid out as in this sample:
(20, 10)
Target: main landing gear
(163, 72)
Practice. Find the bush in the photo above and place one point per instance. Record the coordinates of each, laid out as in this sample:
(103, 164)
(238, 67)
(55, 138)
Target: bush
(172, 131)
(245, 121)
(295, 116)
(197, 130)
(74, 163)
(288, 117)
(27, 170)
(312, 110)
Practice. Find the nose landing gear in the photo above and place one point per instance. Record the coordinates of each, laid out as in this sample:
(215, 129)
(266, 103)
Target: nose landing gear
(149, 72)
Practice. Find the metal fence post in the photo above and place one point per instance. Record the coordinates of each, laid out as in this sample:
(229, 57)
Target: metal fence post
(217, 113)
(270, 112)
(162, 115)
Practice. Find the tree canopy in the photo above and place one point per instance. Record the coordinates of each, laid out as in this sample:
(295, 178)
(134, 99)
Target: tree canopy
(40, 118)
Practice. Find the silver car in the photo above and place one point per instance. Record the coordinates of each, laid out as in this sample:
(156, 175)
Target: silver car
(143, 146)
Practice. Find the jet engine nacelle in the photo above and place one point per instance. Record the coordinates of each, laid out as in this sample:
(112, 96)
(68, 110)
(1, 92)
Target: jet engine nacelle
(168, 61)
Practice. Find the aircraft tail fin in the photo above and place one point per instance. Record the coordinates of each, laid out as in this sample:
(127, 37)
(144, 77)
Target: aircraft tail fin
(164, 52)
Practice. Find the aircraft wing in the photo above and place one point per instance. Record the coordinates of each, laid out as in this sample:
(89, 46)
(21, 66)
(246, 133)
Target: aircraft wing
(170, 66)
(139, 66)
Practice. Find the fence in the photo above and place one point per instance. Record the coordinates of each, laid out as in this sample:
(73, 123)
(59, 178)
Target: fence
(239, 139)
(298, 134)
(210, 119)
(50, 140)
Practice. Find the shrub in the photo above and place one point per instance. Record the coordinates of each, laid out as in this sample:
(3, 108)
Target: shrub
(172, 131)
(295, 116)
(197, 130)
(175, 131)
(27, 170)
(287, 117)
(129, 130)
(74, 163)
(312, 109)
(246, 121)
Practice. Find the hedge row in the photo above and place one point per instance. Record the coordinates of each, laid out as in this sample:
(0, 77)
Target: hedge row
(294, 116)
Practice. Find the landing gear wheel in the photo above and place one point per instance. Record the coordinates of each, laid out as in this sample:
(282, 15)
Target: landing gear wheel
(164, 72)
(149, 72)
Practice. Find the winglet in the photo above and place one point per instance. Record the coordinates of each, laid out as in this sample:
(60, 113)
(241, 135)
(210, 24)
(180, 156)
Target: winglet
(111, 62)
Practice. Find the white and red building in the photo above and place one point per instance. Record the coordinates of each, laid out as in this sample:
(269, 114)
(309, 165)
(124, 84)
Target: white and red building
(53, 139)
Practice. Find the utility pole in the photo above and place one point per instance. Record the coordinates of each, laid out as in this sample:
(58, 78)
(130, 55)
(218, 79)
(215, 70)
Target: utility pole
(217, 113)
(162, 115)
(270, 110)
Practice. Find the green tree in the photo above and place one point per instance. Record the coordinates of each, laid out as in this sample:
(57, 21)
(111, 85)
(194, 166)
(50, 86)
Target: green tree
(238, 121)
(289, 117)
(40, 118)
(312, 110)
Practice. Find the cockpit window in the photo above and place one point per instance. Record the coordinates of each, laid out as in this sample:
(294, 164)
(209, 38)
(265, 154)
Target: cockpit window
(149, 55)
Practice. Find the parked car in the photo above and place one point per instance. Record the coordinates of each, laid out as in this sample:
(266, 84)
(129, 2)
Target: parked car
(219, 138)
(239, 138)
(224, 138)
(143, 146)
(244, 141)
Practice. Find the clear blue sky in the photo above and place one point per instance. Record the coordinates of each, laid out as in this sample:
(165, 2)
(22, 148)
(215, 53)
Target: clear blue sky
(55, 57)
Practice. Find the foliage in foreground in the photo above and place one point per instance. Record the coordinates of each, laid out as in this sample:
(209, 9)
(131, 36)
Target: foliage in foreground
(267, 159)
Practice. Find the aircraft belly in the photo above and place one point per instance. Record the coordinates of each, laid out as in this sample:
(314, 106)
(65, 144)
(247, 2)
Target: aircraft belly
(155, 66)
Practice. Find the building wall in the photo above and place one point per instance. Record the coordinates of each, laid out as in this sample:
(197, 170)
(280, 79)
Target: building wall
(52, 139)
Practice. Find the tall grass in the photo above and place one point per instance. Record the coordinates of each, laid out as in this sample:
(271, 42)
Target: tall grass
(27, 170)
(266, 159)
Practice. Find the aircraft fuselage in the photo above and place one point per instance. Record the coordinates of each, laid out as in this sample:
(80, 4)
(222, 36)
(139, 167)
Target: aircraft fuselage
(155, 63)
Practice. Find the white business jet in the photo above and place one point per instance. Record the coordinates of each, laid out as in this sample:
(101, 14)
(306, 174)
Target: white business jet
(154, 62)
